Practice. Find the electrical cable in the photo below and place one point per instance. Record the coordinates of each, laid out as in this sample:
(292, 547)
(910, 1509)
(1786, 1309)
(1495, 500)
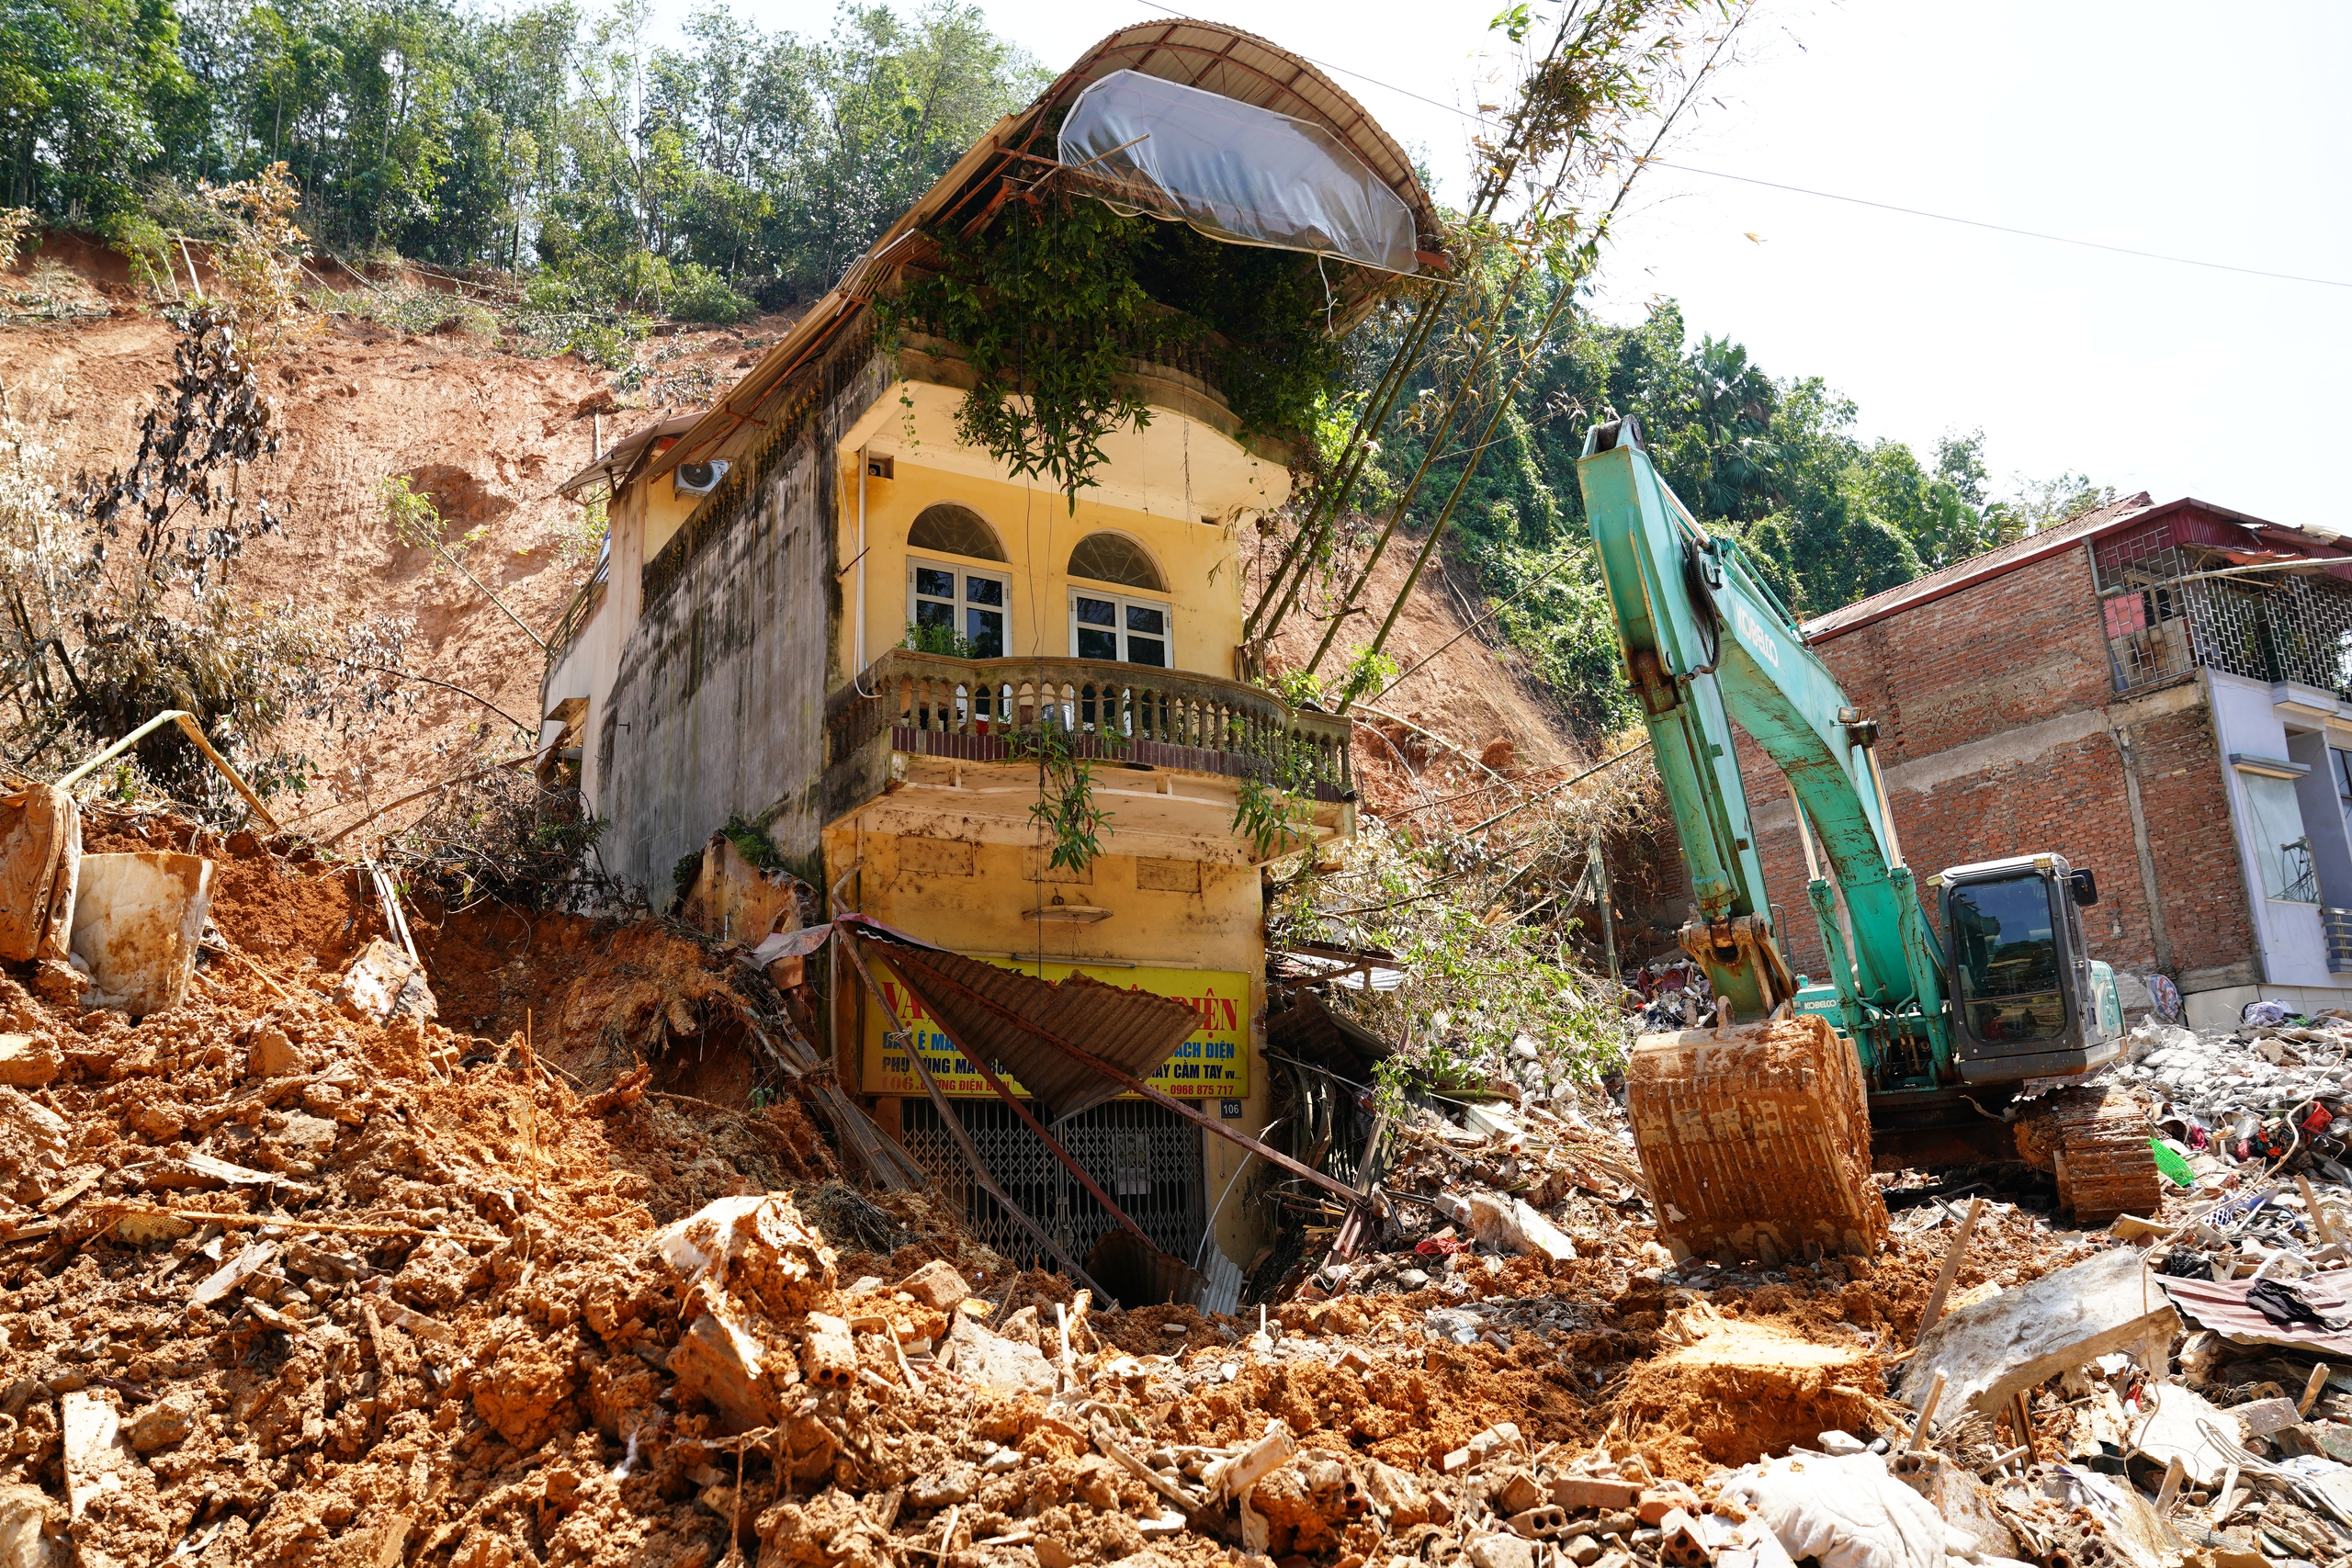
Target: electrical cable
(1852, 200)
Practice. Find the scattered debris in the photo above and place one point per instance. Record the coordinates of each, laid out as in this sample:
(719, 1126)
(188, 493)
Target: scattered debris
(2021, 1339)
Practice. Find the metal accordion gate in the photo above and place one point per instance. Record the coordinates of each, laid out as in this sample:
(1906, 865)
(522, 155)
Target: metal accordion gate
(1144, 1155)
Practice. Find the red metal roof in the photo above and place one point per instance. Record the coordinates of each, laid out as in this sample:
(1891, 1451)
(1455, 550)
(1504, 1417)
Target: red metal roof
(1993, 563)
(2220, 1305)
(2186, 521)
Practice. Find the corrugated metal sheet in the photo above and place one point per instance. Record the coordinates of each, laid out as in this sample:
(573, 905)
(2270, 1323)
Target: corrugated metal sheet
(2220, 1305)
(1133, 1030)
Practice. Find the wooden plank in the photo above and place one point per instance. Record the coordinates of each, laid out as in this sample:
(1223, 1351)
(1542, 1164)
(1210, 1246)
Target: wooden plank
(1944, 1276)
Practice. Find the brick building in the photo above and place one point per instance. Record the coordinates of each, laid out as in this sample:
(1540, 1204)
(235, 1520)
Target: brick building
(2162, 694)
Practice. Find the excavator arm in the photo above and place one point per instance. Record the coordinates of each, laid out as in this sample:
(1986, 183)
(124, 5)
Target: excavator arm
(1757, 1133)
(1707, 644)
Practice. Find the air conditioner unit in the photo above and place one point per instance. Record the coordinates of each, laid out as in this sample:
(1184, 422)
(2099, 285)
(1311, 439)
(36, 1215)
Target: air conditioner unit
(697, 479)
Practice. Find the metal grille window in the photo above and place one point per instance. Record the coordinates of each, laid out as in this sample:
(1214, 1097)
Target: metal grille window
(2169, 609)
(1144, 1155)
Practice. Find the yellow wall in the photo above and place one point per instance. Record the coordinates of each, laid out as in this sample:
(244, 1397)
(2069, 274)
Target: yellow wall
(665, 511)
(1038, 532)
(1218, 927)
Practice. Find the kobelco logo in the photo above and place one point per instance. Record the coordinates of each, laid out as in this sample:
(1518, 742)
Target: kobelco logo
(1752, 632)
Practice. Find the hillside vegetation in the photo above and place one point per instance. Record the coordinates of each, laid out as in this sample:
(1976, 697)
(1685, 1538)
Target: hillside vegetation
(595, 181)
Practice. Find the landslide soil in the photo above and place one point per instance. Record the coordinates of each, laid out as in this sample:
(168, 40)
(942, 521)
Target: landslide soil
(487, 433)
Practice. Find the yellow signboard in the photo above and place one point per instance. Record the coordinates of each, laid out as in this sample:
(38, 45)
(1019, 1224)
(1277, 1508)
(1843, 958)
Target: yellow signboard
(1211, 1063)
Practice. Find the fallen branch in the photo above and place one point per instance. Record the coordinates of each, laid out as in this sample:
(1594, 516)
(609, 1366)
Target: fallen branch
(532, 757)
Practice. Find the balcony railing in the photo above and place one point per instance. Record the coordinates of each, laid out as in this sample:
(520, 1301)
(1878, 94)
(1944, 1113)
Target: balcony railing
(576, 614)
(977, 709)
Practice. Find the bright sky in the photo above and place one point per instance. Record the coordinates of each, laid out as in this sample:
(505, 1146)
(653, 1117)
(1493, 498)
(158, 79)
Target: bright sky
(2150, 125)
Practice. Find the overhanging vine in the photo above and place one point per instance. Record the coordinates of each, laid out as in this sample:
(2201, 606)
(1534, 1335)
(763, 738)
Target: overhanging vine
(1052, 299)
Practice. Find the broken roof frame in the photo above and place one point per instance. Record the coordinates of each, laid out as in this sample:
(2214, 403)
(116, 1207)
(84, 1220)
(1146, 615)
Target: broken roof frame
(1237, 172)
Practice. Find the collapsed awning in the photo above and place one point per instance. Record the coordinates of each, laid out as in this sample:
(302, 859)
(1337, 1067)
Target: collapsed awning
(985, 1008)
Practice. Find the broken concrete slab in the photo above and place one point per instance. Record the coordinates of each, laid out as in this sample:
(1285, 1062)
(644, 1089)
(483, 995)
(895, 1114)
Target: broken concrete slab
(2128, 1526)
(273, 1056)
(2176, 1429)
(755, 1246)
(137, 921)
(32, 1529)
(40, 857)
(1965, 1502)
(937, 1284)
(29, 1061)
(1501, 1551)
(719, 1362)
(95, 1450)
(1513, 1224)
(384, 983)
(999, 1365)
(36, 1123)
(2261, 1417)
(163, 1423)
(2024, 1336)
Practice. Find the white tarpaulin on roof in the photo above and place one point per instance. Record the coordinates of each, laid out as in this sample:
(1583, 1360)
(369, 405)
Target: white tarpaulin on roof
(1236, 172)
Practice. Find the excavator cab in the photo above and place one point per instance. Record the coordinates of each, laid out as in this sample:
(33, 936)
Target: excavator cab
(2027, 1000)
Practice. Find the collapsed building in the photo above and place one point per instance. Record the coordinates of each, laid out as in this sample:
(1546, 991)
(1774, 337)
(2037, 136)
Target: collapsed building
(2161, 693)
(823, 614)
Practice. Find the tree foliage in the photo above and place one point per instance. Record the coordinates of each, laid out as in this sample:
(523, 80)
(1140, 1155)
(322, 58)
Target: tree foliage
(1774, 462)
(544, 135)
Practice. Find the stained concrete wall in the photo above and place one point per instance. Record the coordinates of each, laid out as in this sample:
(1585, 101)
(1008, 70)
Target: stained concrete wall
(717, 708)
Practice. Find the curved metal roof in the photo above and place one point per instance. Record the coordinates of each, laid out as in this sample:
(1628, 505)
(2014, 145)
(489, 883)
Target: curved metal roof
(1208, 55)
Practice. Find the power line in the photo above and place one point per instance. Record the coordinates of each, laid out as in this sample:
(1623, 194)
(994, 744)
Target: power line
(2005, 229)
(1851, 200)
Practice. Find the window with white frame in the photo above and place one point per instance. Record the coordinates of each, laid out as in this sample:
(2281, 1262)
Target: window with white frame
(957, 609)
(1113, 625)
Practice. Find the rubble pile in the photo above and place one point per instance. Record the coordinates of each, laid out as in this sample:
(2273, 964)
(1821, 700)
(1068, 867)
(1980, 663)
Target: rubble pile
(2276, 1090)
(328, 1263)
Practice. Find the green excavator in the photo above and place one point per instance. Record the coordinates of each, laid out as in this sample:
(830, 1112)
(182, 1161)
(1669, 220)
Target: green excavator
(1931, 1043)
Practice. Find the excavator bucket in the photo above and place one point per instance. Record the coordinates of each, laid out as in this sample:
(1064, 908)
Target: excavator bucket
(1756, 1139)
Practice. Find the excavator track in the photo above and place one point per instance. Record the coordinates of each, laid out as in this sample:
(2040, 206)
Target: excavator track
(2095, 1141)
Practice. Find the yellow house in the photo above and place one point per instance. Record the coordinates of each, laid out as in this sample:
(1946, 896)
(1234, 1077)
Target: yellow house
(822, 611)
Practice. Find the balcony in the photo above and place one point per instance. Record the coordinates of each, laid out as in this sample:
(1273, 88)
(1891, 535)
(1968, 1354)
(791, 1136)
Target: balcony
(1163, 740)
(2174, 610)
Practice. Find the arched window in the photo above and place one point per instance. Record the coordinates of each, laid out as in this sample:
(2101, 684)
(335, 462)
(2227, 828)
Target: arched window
(956, 531)
(1113, 625)
(1114, 558)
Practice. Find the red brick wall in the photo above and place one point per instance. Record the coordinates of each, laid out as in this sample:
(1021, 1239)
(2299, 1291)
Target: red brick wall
(1980, 666)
